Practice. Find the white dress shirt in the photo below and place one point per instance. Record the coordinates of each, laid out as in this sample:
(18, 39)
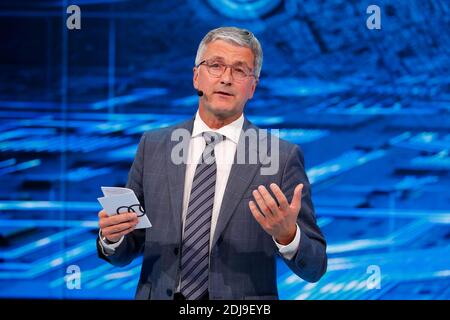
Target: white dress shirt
(224, 153)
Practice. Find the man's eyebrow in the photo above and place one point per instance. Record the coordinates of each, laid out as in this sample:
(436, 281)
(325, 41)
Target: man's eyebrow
(241, 63)
(216, 58)
(236, 63)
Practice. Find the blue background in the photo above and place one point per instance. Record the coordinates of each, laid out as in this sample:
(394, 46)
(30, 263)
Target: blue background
(370, 108)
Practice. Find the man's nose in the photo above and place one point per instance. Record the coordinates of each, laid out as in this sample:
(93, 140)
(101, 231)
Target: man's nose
(226, 77)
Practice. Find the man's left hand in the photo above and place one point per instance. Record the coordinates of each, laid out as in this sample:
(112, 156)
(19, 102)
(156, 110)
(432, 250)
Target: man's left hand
(280, 221)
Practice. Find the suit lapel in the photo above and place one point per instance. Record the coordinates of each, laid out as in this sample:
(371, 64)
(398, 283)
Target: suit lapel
(176, 176)
(239, 180)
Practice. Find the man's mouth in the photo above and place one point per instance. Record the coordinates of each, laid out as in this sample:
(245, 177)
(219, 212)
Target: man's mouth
(224, 93)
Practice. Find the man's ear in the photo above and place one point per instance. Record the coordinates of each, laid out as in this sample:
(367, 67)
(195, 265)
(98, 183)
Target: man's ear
(195, 78)
(253, 88)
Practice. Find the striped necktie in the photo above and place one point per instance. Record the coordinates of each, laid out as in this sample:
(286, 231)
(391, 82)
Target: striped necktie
(195, 247)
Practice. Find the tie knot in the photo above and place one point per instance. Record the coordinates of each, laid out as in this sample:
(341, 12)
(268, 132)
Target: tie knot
(212, 138)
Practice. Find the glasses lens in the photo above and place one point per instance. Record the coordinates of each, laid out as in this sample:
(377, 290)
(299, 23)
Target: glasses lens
(216, 69)
(239, 73)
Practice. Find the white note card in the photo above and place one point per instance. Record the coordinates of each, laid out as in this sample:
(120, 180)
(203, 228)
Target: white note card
(123, 200)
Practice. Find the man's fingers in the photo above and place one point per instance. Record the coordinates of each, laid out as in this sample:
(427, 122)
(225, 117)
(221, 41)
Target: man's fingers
(281, 198)
(125, 232)
(260, 201)
(268, 200)
(297, 197)
(123, 217)
(258, 215)
(116, 236)
(107, 221)
(102, 214)
(118, 228)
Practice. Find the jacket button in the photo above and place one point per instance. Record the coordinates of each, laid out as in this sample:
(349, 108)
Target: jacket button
(169, 292)
(175, 251)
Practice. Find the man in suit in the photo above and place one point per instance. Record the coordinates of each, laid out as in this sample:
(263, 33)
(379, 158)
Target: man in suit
(218, 223)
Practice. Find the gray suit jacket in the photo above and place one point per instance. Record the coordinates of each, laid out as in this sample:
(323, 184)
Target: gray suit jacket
(243, 255)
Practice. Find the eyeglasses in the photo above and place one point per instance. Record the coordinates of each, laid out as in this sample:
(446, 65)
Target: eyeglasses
(217, 69)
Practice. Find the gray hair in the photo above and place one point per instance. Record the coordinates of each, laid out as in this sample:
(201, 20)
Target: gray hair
(237, 36)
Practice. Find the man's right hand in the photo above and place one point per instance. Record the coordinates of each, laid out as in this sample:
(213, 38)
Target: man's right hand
(115, 227)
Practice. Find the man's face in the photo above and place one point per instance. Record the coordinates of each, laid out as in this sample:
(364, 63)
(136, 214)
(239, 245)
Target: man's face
(223, 96)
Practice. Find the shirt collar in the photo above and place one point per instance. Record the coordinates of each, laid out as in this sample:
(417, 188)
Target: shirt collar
(232, 130)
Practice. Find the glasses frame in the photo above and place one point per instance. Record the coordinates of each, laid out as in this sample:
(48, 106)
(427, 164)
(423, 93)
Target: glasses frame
(204, 63)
